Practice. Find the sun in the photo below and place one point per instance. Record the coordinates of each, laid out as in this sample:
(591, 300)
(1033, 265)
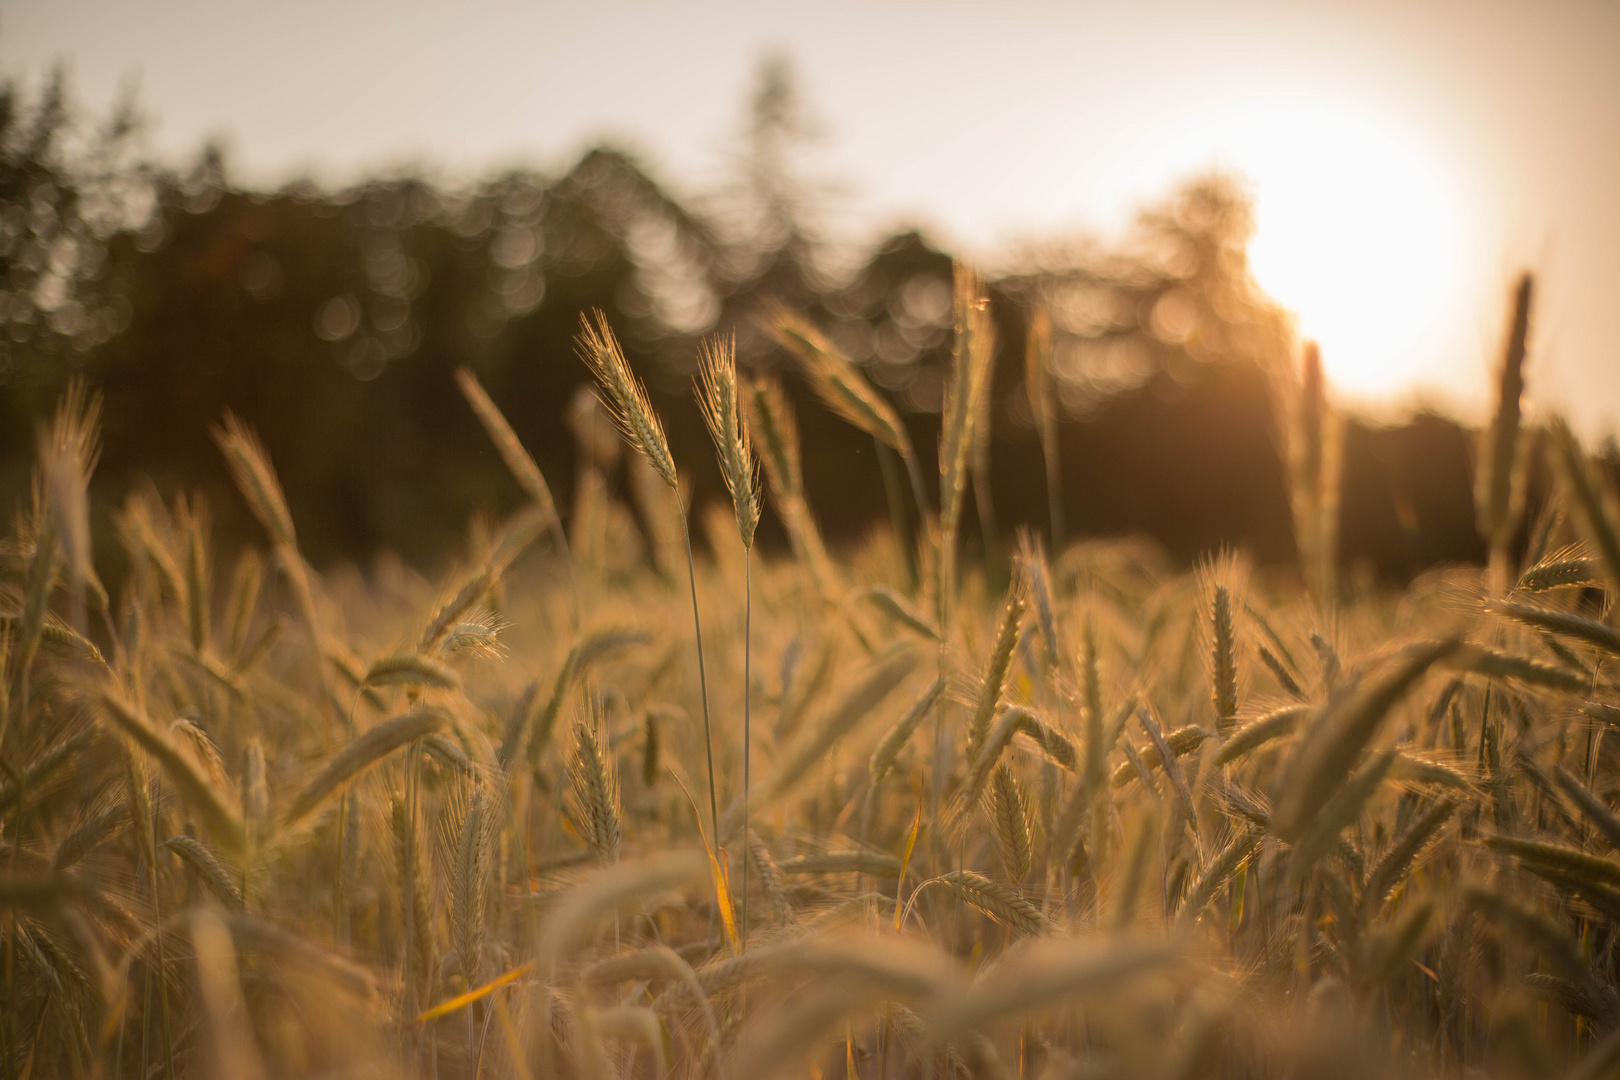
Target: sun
(1359, 227)
(1359, 235)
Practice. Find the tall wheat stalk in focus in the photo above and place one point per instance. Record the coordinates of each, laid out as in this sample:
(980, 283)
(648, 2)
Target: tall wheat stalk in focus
(628, 404)
(720, 399)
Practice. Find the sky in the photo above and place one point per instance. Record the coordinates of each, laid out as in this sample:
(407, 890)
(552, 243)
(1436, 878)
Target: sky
(1408, 159)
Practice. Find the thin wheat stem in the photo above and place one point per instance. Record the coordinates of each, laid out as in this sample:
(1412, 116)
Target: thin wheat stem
(1054, 498)
(703, 681)
(157, 924)
(898, 519)
(748, 636)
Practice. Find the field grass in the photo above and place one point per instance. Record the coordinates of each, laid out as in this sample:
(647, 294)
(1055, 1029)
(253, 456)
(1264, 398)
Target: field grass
(1092, 816)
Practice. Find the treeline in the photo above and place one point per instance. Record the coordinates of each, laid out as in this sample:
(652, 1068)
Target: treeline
(333, 321)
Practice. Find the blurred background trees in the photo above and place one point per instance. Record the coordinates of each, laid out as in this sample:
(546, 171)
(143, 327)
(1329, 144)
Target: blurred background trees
(332, 322)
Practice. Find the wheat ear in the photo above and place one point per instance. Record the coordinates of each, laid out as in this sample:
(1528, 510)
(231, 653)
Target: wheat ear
(720, 399)
(632, 411)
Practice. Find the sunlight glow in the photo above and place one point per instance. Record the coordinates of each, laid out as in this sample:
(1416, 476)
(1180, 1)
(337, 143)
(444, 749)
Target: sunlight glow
(1357, 232)
(1358, 235)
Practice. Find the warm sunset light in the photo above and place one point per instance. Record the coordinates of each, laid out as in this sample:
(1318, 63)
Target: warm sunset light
(1359, 230)
(705, 540)
(1359, 235)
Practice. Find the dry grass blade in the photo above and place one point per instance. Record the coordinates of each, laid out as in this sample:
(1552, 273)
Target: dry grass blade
(1037, 380)
(250, 468)
(246, 582)
(285, 948)
(872, 863)
(411, 669)
(1594, 809)
(1388, 953)
(878, 681)
(360, 755)
(971, 352)
(193, 521)
(1493, 662)
(893, 605)
(599, 896)
(219, 986)
(1594, 501)
(518, 461)
(1043, 977)
(837, 380)
(1284, 677)
(415, 903)
(638, 1024)
(1326, 753)
(1321, 831)
(627, 400)
(529, 727)
(882, 964)
(210, 804)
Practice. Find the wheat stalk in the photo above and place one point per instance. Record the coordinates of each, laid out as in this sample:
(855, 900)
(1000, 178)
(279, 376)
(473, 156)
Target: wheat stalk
(1500, 479)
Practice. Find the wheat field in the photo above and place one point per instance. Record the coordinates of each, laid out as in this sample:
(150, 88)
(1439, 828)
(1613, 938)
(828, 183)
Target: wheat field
(590, 806)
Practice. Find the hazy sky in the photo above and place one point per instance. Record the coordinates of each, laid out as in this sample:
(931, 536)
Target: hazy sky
(1407, 157)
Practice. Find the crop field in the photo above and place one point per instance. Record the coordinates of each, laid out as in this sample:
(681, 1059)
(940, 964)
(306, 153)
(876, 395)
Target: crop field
(590, 806)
